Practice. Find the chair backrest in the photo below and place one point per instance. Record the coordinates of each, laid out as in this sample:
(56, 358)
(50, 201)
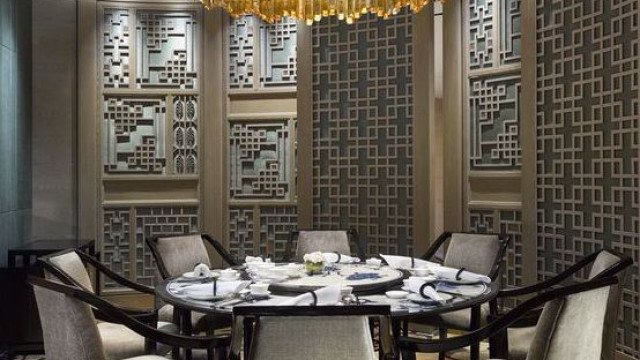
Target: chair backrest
(69, 265)
(572, 327)
(314, 332)
(604, 262)
(176, 255)
(68, 326)
(474, 252)
(325, 241)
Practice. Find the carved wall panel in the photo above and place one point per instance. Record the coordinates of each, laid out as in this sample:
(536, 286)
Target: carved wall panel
(507, 222)
(494, 105)
(510, 31)
(278, 53)
(241, 228)
(133, 135)
(481, 33)
(159, 221)
(166, 49)
(362, 130)
(116, 47)
(185, 134)
(276, 223)
(116, 243)
(588, 147)
(260, 159)
(241, 38)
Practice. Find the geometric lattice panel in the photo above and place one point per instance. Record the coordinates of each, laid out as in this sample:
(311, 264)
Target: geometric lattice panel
(278, 44)
(241, 37)
(276, 223)
(116, 250)
(134, 135)
(116, 47)
(481, 33)
(241, 229)
(159, 221)
(259, 159)
(510, 31)
(166, 50)
(494, 105)
(363, 129)
(588, 147)
(185, 135)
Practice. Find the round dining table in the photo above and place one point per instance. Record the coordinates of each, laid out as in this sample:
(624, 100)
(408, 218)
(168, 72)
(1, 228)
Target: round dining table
(366, 291)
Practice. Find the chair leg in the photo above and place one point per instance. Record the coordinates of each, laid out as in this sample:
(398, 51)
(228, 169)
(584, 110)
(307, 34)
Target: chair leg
(442, 332)
(474, 325)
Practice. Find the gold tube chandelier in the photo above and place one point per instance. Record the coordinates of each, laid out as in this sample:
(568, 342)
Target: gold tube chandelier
(314, 10)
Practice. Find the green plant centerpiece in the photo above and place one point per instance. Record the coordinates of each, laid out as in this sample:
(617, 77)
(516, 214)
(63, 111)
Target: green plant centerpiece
(314, 263)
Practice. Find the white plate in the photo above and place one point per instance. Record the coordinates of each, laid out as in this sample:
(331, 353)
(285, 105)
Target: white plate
(417, 298)
(205, 296)
(234, 278)
(396, 294)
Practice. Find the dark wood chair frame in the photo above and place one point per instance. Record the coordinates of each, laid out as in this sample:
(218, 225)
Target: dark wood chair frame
(252, 314)
(115, 314)
(494, 274)
(410, 346)
(352, 233)
(217, 246)
(148, 316)
(499, 344)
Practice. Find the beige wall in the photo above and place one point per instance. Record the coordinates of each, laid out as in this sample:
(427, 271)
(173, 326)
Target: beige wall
(54, 125)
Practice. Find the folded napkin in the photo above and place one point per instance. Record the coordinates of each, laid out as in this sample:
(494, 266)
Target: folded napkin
(223, 288)
(405, 262)
(328, 295)
(428, 292)
(202, 270)
(253, 259)
(338, 258)
(447, 273)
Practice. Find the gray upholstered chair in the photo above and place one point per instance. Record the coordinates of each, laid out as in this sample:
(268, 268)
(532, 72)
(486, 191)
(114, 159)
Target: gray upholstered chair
(176, 255)
(308, 241)
(572, 325)
(479, 253)
(118, 341)
(315, 332)
(603, 263)
(70, 329)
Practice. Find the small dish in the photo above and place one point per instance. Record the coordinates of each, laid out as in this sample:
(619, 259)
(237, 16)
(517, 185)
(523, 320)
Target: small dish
(192, 275)
(396, 294)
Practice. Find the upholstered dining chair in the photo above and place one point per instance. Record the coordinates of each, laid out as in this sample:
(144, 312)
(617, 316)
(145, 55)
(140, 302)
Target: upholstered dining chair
(70, 330)
(176, 255)
(118, 342)
(479, 253)
(308, 241)
(572, 325)
(312, 332)
(516, 340)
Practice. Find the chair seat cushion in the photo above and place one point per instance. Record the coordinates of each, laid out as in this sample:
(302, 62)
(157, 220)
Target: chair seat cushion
(120, 342)
(201, 322)
(520, 341)
(459, 320)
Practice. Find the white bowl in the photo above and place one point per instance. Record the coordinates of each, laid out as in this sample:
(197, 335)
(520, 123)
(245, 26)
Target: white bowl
(396, 294)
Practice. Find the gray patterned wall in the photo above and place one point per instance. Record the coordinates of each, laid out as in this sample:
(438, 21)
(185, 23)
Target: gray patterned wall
(15, 124)
(588, 147)
(362, 129)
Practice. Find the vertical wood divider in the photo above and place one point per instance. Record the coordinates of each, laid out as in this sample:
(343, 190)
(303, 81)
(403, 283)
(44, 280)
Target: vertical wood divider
(305, 127)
